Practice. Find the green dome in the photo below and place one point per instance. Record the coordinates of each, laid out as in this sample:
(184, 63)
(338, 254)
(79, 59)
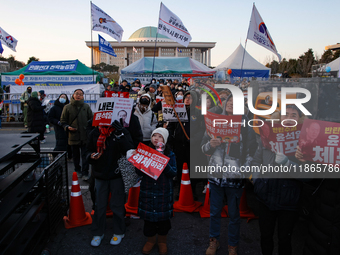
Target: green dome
(147, 33)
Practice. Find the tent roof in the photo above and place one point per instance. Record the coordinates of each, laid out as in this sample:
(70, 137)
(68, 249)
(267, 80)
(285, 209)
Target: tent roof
(167, 65)
(234, 61)
(334, 65)
(81, 70)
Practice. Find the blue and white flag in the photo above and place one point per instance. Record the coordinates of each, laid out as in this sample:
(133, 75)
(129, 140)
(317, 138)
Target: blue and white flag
(104, 23)
(258, 33)
(8, 40)
(1, 49)
(105, 46)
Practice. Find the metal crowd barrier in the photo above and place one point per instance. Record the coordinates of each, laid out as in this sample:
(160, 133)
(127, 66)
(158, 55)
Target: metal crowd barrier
(11, 110)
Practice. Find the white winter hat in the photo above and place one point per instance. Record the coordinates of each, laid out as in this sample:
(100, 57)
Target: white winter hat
(163, 132)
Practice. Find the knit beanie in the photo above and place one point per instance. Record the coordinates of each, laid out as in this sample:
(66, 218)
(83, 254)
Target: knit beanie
(163, 132)
(34, 94)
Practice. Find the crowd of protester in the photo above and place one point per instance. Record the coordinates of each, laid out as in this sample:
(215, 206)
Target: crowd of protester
(103, 146)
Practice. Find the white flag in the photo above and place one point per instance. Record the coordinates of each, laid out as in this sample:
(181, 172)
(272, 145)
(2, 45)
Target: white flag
(259, 33)
(8, 40)
(172, 27)
(104, 23)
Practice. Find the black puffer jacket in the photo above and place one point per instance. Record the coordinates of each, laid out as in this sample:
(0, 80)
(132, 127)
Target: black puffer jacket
(324, 226)
(104, 167)
(60, 134)
(276, 194)
(35, 116)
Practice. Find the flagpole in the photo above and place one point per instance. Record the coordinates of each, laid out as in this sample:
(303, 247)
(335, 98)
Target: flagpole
(245, 44)
(92, 46)
(154, 55)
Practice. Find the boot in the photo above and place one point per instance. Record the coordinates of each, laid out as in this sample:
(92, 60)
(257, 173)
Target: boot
(149, 245)
(232, 250)
(162, 248)
(214, 245)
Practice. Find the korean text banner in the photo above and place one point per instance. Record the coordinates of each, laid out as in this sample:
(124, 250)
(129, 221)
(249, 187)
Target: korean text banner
(320, 141)
(105, 46)
(169, 114)
(259, 33)
(219, 126)
(172, 27)
(149, 161)
(50, 80)
(104, 23)
(8, 40)
(116, 94)
(103, 114)
(277, 138)
(62, 66)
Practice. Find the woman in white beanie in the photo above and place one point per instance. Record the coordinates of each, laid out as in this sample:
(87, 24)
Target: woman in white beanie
(156, 196)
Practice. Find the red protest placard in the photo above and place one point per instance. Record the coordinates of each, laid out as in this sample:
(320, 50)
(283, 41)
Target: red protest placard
(116, 94)
(280, 139)
(149, 161)
(219, 126)
(320, 141)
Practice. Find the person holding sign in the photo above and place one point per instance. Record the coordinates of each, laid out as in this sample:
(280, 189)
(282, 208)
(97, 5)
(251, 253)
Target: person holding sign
(227, 183)
(156, 196)
(279, 198)
(106, 145)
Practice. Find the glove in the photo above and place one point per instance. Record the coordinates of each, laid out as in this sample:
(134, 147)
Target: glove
(44, 106)
(281, 159)
(118, 128)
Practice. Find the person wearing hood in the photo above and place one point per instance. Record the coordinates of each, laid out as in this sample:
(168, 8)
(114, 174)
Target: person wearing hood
(54, 117)
(146, 117)
(23, 100)
(228, 184)
(182, 147)
(74, 120)
(35, 116)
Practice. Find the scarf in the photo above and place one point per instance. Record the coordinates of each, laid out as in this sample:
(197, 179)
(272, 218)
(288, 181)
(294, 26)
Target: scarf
(104, 133)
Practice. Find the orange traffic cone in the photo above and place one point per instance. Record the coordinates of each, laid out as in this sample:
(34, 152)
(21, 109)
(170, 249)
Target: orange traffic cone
(205, 209)
(186, 201)
(131, 206)
(77, 216)
(245, 211)
(109, 213)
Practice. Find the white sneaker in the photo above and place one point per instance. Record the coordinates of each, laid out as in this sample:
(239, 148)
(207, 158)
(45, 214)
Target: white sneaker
(96, 240)
(116, 239)
(43, 141)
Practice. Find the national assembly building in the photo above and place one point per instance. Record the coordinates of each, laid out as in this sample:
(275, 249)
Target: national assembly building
(142, 44)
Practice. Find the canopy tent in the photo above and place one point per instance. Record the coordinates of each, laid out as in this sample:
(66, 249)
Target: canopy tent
(334, 65)
(53, 73)
(251, 67)
(164, 68)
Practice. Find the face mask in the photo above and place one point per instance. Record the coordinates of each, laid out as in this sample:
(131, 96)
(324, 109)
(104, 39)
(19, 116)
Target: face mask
(153, 82)
(178, 98)
(62, 100)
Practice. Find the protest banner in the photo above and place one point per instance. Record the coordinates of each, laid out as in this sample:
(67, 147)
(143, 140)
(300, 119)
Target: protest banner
(122, 110)
(319, 141)
(133, 95)
(159, 98)
(103, 114)
(169, 113)
(169, 98)
(219, 126)
(116, 94)
(149, 161)
(109, 109)
(280, 139)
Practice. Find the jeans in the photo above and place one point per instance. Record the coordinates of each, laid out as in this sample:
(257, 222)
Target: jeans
(117, 201)
(76, 149)
(216, 204)
(267, 221)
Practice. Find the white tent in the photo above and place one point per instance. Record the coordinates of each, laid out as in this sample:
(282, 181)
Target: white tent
(334, 65)
(251, 67)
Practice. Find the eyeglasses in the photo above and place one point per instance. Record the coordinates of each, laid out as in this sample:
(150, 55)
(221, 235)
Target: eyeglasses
(79, 94)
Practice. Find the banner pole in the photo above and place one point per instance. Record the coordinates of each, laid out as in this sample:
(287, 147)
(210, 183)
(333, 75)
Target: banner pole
(154, 56)
(245, 44)
(92, 46)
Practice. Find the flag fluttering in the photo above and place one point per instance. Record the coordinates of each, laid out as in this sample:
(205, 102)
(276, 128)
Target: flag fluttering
(258, 33)
(134, 49)
(1, 49)
(172, 27)
(8, 40)
(105, 46)
(104, 23)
